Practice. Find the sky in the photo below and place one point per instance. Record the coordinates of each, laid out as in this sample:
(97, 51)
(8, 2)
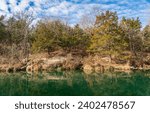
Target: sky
(73, 10)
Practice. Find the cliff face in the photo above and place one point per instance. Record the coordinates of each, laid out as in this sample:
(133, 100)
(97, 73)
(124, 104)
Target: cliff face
(44, 62)
(69, 61)
(100, 64)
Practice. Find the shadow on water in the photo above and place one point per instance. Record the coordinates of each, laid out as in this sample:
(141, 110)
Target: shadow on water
(76, 83)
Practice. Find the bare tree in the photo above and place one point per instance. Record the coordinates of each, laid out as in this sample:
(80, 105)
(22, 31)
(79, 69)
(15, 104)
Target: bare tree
(18, 27)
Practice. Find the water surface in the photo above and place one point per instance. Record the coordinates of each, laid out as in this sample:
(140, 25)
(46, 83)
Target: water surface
(76, 83)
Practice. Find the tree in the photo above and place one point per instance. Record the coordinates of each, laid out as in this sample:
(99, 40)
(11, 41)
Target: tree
(3, 37)
(47, 36)
(81, 38)
(131, 29)
(2, 28)
(146, 38)
(132, 34)
(106, 37)
(55, 35)
(19, 32)
(75, 39)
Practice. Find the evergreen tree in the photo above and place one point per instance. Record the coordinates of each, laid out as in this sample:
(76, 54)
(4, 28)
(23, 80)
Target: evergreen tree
(146, 38)
(106, 37)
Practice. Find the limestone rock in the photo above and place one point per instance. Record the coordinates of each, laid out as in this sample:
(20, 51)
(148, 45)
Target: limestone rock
(88, 69)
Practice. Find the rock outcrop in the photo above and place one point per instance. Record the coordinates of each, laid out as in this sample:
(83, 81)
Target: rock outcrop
(44, 64)
(100, 64)
(67, 62)
(59, 62)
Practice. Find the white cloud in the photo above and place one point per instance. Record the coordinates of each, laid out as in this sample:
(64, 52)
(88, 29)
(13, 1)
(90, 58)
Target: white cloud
(74, 9)
(3, 5)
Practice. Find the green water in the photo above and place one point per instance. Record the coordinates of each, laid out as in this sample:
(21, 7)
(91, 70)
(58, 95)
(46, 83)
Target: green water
(76, 83)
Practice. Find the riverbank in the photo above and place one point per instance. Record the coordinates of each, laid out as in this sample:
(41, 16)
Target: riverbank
(59, 61)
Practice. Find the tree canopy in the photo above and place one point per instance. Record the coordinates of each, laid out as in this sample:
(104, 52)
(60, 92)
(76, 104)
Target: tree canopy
(109, 36)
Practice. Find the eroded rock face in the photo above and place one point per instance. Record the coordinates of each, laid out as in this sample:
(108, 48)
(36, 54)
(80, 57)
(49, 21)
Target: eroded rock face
(33, 68)
(146, 60)
(99, 69)
(72, 63)
(93, 64)
(89, 64)
(12, 68)
(19, 67)
(88, 69)
(67, 62)
(99, 65)
(45, 64)
(3, 67)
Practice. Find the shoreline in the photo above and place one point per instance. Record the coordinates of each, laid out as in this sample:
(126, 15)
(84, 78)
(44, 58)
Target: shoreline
(88, 64)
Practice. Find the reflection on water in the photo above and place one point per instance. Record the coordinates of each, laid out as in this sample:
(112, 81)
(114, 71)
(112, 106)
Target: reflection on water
(75, 83)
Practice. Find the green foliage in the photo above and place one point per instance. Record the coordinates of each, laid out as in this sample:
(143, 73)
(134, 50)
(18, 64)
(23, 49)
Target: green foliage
(17, 35)
(109, 36)
(75, 38)
(131, 32)
(47, 36)
(43, 38)
(106, 37)
(2, 29)
(54, 35)
(146, 38)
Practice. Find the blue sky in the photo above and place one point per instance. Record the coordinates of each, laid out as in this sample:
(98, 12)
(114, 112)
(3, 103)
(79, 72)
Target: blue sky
(73, 10)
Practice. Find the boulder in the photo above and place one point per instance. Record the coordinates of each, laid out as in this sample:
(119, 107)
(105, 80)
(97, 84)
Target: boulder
(19, 67)
(45, 64)
(9, 69)
(88, 69)
(34, 68)
(99, 69)
(72, 62)
(29, 69)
